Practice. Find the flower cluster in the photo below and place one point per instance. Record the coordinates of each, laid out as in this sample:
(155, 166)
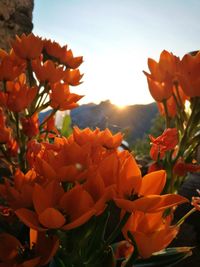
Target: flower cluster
(35, 74)
(174, 84)
(59, 196)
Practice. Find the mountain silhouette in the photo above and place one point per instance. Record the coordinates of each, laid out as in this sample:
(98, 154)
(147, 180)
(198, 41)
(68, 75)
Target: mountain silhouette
(134, 120)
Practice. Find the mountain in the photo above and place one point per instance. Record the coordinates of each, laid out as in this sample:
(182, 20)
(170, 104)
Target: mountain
(135, 120)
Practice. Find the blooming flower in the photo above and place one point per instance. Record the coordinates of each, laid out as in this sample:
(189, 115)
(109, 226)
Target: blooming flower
(142, 194)
(27, 46)
(18, 95)
(61, 98)
(165, 142)
(19, 193)
(62, 54)
(15, 254)
(171, 103)
(189, 74)
(47, 71)
(9, 70)
(152, 232)
(56, 209)
(163, 75)
(72, 77)
(30, 125)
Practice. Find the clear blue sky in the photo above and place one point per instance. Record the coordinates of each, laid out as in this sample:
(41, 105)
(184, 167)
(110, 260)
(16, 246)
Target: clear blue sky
(116, 37)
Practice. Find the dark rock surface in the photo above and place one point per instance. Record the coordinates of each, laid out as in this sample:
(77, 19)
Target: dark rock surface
(15, 18)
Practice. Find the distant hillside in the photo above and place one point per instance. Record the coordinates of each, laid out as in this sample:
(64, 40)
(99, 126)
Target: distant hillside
(135, 120)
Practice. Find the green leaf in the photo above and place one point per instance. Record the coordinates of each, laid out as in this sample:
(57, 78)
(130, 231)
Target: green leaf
(165, 258)
(66, 129)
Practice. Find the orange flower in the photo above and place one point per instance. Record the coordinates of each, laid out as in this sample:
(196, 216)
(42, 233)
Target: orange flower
(10, 65)
(33, 149)
(137, 193)
(30, 125)
(54, 49)
(70, 61)
(9, 70)
(27, 47)
(171, 107)
(97, 137)
(171, 103)
(62, 54)
(48, 71)
(152, 232)
(15, 254)
(50, 127)
(18, 194)
(69, 163)
(108, 173)
(12, 147)
(163, 75)
(56, 209)
(159, 90)
(72, 77)
(101, 194)
(189, 75)
(123, 250)
(165, 142)
(61, 98)
(68, 160)
(18, 95)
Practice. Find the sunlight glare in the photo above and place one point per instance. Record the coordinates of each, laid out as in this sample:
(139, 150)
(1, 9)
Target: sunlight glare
(120, 105)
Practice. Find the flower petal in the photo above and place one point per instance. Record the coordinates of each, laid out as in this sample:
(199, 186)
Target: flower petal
(81, 220)
(40, 199)
(29, 218)
(51, 218)
(153, 183)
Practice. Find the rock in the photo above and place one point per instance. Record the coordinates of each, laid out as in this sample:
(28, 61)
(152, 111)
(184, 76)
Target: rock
(15, 18)
(189, 234)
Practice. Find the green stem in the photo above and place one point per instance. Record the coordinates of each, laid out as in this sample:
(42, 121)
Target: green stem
(118, 229)
(185, 217)
(180, 102)
(97, 255)
(17, 126)
(166, 113)
(191, 118)
(187, 132)
(32, 81)
(134, 255)
(7, 157)
(51, 114)
(22, 144)
(4, 86)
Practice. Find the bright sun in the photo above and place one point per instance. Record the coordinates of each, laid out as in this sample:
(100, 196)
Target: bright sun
(120, 103)
(120, 106)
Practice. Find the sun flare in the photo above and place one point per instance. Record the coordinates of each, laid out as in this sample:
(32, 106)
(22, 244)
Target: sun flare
(119, 102)
(120, 106)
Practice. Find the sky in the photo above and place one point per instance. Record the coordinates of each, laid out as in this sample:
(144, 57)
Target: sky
(115, 38)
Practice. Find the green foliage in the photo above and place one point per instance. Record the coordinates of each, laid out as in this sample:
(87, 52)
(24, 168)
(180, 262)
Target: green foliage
(66, 129)
(166, 258)
(141, 146)
(158, 125)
